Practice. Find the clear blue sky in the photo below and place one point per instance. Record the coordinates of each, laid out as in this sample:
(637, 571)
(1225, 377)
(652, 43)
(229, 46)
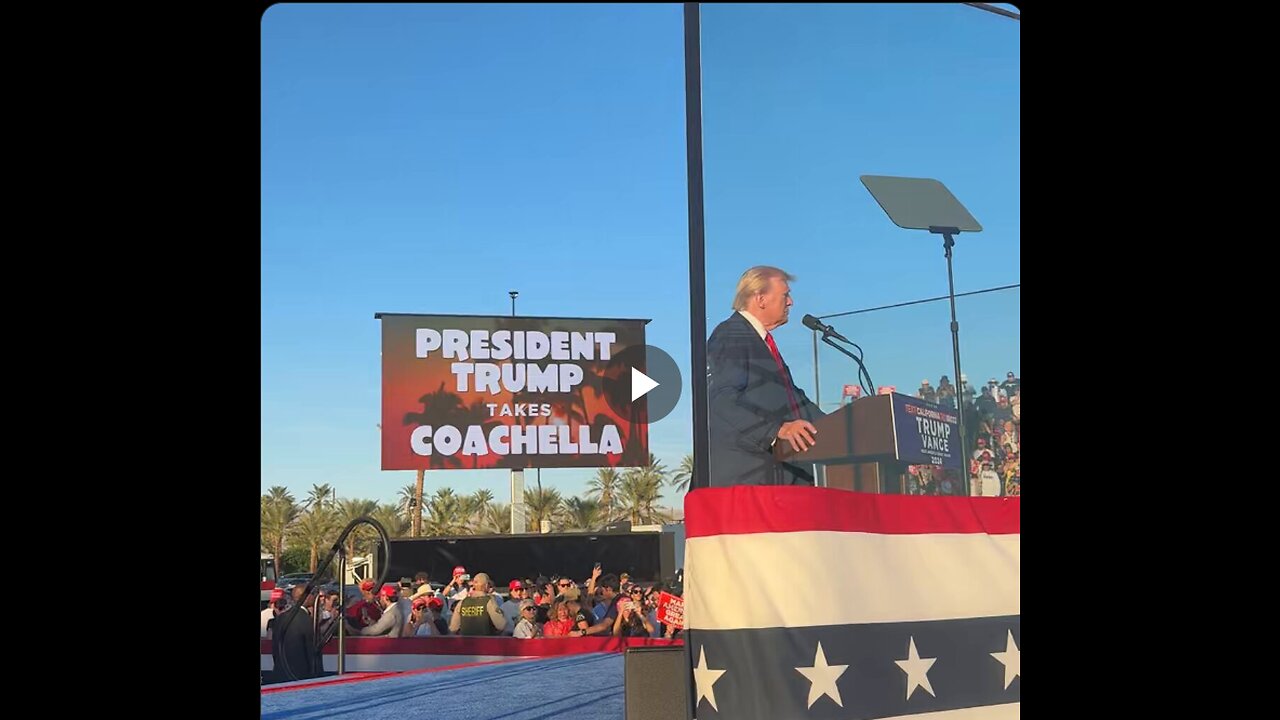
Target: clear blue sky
(431, 158)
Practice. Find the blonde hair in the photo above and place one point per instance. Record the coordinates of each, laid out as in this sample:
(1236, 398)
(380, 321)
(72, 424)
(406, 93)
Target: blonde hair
(553, 612)
(755, 281)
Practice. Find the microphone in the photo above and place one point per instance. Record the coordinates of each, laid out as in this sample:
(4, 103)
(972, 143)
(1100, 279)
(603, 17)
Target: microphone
(814, 323)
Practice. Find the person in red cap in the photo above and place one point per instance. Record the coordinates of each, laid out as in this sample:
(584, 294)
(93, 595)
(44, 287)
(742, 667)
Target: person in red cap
(420, 619)
(394, 616)
(276, 606)
(365, 611)
(511, 608)
(436, 606)
(425, 619)
(458, 584)
(982, 452)
(982, 457)
(363, 601)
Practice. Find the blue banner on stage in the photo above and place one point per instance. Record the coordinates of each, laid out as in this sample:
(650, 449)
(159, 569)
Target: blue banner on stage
(926, 433)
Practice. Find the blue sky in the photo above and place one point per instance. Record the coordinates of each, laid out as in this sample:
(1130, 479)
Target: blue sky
(431, 158)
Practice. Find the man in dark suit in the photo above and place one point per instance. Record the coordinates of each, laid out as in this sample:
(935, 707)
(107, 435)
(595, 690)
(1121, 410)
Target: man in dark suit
(754, 402)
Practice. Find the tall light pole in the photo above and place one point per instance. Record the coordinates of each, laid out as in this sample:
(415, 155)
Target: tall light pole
(517, 476)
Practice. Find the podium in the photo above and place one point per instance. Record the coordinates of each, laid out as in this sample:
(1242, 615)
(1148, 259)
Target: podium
(867, 445)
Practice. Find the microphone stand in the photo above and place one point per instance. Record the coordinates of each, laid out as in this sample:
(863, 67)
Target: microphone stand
(864, 377)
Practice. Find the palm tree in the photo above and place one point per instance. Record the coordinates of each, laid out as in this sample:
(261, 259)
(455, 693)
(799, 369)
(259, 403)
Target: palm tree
(593, 386)
(315, 530)
(632, 495)
(279, 511)
(417, 497)
(437, 404)
(654, 467)
(478, 508)
(410, 507)
(542, 504)
(279, 493)
(604, 485)
(468, 509)
(641, 488)
(350, 509)
(581, 513)
(321, 496)
(444, 408)
(498, 519)
(655, 476)
(392, 519)
(681, 478)
(445, 513)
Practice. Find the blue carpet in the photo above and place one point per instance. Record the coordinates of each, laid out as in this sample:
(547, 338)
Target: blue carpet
(584, 686)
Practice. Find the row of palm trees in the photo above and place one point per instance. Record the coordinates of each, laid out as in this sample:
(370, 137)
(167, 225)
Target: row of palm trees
(612, 496)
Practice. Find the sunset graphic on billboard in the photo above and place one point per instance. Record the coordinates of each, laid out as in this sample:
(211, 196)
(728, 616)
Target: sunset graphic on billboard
(464, 392)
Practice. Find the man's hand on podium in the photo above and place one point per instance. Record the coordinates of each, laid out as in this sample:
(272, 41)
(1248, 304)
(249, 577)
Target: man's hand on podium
(799, 433)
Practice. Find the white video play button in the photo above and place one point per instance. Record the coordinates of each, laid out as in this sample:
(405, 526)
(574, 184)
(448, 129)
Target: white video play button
(640, 384)
(641, 395)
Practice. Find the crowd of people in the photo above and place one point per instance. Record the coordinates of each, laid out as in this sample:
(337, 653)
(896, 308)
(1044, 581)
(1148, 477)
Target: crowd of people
(994, 429)
(611, 604)
(532, 608)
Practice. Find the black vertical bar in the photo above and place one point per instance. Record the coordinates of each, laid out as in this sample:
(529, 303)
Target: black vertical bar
(817, 384)
(697, 247)
(947, 243)
(697, 283)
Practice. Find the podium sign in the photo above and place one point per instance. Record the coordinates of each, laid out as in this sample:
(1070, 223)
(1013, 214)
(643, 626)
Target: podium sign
(883, 428)
(926, 433)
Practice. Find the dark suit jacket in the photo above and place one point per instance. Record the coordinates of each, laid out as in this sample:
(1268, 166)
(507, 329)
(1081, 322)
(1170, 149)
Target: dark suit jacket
(293, 646)
(748, 404)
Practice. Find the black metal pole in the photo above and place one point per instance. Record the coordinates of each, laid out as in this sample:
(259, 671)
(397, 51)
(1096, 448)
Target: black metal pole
(947, 244)
(697, 246)
(697, 285)
(342, 611)
(516, 502)
(817, 387)
(819, 470)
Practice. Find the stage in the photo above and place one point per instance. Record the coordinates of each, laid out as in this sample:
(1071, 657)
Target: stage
(584, 686)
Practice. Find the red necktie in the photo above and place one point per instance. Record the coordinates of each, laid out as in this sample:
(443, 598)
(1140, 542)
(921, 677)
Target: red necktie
(782, 372)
